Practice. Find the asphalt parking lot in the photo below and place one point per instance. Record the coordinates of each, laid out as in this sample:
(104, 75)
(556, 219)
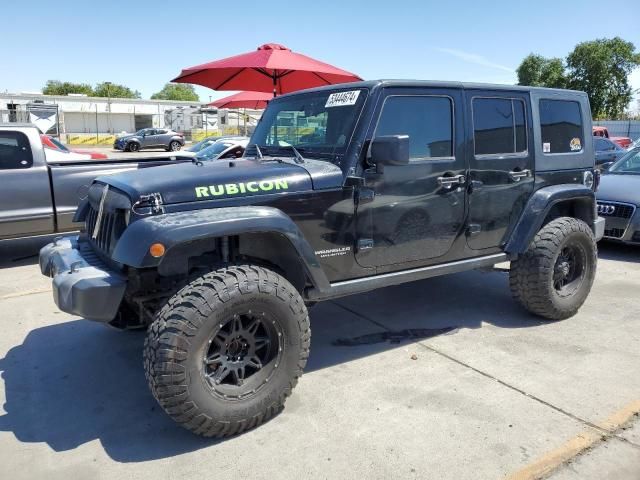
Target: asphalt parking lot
(444, 378)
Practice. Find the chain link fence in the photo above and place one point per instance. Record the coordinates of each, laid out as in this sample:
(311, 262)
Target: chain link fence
(621, 128)
(100, 123)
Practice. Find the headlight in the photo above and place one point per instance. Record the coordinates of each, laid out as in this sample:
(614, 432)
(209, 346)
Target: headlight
(588, 179)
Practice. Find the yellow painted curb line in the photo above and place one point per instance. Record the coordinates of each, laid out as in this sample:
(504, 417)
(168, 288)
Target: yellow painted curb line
(552, 460)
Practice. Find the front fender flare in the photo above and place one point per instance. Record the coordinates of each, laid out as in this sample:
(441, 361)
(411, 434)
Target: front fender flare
(174, 229)
(537, 209)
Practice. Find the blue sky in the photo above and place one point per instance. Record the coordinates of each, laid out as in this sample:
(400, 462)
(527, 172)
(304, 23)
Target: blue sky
(144, 44)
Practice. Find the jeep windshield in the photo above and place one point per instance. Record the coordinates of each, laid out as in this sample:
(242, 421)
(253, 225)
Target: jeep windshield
(318, 124)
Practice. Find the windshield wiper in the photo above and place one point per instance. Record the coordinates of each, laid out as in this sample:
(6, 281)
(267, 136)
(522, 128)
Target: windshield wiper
(299, 157)
(258, 151)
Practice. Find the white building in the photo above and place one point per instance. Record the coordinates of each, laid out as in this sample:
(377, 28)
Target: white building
(78, 116)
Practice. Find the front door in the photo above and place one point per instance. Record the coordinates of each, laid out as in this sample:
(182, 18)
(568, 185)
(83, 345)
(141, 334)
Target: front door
(418, 209)
(501, 164)
(25, 196)
(149, 139)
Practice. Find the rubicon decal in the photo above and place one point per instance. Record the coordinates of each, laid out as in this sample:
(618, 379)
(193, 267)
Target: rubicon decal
(266, 186)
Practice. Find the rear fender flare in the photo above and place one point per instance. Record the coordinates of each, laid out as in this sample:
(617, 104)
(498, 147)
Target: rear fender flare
(173, 229)
(538, 207)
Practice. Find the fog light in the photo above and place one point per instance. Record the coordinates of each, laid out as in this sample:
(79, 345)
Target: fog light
(157, 250)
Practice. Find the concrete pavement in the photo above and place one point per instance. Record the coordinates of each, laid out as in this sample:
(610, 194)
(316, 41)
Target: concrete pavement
(386, 394)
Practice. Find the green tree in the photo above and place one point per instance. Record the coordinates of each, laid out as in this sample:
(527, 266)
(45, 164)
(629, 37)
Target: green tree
(113, 90)
(601, 68)
(177, 91)
(56, 87)
(538, 71)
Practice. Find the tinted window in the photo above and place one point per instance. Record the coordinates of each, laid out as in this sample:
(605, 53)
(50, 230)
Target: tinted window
(603, 144)
(160, 132)
(561, 126)
(499, 126)
(15, 151)
(427, 120)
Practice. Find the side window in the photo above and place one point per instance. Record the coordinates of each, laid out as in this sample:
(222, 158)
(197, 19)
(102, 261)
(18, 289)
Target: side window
(160, 132)
(428, 120)
(499, 126)
(15, 151)
(602, 144)
(561, 126)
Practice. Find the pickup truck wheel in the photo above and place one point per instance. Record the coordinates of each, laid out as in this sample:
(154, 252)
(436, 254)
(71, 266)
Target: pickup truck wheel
(226, 351)
(132, 147)
(174, 146)
(554, 276)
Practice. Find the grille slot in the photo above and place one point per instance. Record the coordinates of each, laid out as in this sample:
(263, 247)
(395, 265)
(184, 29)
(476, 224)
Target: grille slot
(112, 222)
(614, 232)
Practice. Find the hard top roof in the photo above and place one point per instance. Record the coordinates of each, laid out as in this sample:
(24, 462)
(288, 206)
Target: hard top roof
(374, 84)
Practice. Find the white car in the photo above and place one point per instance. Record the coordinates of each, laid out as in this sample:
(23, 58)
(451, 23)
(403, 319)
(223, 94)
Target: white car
(54, 156)
(224, 148)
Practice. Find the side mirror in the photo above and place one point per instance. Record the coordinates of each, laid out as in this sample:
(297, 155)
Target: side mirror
(389, 150)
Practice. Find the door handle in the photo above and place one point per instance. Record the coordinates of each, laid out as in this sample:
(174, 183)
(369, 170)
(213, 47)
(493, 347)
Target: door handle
(517, 175)
(448, 182)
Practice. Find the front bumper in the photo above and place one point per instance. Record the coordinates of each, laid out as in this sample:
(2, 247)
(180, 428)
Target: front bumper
(82, 284)
(598, 228)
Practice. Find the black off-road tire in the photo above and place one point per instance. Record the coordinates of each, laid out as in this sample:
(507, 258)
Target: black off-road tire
(179, 341)
(532, 276)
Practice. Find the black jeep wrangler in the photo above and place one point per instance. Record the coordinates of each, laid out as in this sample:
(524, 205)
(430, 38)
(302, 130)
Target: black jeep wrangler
(343, 189)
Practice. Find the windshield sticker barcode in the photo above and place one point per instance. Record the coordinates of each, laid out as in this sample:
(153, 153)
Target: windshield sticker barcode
(341, 99)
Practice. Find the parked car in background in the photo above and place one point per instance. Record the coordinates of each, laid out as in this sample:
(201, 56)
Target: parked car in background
(42, 187)
(196, 147)
(51, 143)
(624, 142)
(635, 144)
(618, 199)
(607, 151)
(224, 148)
(150, 138)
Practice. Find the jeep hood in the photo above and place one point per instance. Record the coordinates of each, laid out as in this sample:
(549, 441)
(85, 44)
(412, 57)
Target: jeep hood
(220, 179)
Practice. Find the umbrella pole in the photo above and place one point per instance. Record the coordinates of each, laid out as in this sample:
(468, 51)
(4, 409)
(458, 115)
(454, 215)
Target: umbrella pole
(275, 83)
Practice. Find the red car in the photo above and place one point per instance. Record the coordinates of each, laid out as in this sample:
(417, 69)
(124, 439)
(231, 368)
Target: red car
(54, 144)
(624, 142)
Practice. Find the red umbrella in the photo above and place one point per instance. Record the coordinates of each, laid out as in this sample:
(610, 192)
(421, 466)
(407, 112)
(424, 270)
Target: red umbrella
(271, 68)
(253, 100)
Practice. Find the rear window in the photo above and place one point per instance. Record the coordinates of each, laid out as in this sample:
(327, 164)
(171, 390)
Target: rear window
(15, 151)
(561, 126)
(499, 126)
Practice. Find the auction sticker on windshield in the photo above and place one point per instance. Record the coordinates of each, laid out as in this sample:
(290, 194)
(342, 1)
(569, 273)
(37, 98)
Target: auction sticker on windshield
(341, 99)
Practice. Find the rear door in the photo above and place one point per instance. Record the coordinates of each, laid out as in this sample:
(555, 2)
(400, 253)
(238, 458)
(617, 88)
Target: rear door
(418, 209)
(162, 138)
(501, 164)
(25, 199)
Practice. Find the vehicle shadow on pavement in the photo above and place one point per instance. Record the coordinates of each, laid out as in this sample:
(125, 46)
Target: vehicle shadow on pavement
(618, 252)
(75, 382)
(17, 253)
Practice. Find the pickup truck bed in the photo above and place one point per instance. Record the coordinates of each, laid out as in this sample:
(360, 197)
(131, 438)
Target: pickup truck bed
(39, 197)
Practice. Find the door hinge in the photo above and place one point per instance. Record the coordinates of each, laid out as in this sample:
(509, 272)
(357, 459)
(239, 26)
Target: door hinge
(473, 229)
(364, 244)
(364, 195)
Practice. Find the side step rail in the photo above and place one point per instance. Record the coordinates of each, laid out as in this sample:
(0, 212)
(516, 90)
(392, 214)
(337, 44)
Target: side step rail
(359, 285)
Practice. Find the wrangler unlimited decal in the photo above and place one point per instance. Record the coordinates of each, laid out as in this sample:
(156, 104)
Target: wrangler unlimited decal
(235, 188)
